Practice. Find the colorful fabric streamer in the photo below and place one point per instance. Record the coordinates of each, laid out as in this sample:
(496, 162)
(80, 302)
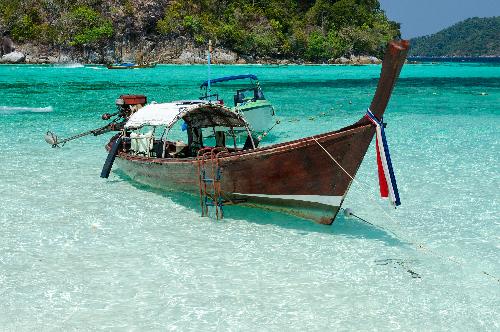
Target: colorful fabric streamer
(387, 179)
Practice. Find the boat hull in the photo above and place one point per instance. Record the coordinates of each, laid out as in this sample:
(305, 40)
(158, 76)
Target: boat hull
(259, 114)
(309, 177)
(297, 178)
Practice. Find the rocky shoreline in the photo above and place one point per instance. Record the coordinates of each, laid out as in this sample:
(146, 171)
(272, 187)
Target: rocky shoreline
(171, 52)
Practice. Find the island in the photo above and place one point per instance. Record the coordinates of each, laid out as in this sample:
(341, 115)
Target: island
(172, 31)
(474, 37)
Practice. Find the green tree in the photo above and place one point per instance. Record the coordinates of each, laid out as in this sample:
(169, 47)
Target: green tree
(303, 29)
(88, 27)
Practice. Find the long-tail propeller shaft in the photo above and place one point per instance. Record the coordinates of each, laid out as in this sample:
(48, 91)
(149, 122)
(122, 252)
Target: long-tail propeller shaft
(55, 142)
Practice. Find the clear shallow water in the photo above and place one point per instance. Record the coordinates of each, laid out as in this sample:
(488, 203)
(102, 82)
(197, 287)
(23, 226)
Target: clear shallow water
(78, 252)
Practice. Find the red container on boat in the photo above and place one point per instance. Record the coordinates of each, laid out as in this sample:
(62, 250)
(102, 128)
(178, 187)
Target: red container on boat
(134, 99)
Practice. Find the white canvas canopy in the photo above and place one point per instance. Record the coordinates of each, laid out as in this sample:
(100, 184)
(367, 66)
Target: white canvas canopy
(156, 115)
(198, 114)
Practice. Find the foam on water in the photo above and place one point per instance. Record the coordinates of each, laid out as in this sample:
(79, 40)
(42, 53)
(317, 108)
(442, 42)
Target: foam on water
(70, 65)
(81, 253)
(18, 109)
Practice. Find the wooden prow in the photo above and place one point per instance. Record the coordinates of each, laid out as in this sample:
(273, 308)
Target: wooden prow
(394, 60)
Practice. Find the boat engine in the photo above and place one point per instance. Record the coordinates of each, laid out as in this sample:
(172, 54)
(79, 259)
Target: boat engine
(127, 105)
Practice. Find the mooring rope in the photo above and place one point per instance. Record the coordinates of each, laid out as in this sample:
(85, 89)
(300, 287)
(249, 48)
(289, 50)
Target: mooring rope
(417, 244)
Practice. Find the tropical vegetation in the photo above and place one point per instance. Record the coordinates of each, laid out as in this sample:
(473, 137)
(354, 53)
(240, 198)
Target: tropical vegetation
(314, 30)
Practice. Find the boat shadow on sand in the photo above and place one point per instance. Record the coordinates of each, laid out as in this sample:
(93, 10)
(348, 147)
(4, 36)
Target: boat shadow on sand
(343, 226)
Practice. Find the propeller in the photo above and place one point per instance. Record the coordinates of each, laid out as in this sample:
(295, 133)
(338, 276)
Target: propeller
(52, 139)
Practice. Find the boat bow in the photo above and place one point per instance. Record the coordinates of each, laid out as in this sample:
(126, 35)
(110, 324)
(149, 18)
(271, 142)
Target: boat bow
(394, 59)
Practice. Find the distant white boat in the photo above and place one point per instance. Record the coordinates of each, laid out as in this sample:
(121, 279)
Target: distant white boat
(248, 101)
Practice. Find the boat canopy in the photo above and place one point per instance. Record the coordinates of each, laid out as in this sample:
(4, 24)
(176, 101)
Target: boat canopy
(229, 78)
(195, 114)
(212, 115)
(154, 115)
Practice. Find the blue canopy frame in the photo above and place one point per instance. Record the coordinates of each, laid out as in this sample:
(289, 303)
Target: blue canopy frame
(229, 78)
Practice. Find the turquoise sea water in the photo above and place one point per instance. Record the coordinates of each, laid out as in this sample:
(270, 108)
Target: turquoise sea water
(81, 253)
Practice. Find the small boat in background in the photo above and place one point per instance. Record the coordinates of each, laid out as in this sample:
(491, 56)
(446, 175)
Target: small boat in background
(131, 65)
(249, 102)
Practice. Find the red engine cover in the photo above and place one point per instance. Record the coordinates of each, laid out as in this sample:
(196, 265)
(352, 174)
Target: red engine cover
(134, 99)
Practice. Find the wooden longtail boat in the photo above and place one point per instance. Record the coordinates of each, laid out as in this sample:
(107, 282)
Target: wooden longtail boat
(298, 177)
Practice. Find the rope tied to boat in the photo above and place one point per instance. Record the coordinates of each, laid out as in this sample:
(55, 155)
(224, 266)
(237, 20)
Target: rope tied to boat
(386, 177)
(416, 243)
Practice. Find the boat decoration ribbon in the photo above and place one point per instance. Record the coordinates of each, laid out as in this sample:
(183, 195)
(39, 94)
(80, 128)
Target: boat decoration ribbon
(386, 177)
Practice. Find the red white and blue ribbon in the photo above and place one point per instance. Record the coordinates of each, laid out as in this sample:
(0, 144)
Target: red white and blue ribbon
(386, 177)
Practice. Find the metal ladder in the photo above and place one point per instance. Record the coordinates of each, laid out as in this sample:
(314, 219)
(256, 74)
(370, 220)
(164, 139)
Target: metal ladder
(210, 174)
